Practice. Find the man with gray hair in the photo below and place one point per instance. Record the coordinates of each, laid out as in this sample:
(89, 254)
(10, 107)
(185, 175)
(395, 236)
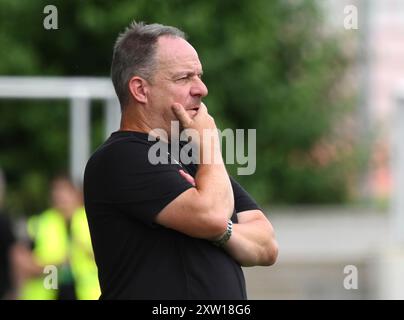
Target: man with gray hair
(168, 230)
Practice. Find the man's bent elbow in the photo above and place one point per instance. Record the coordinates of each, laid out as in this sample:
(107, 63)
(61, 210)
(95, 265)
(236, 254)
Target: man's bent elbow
(271, 253)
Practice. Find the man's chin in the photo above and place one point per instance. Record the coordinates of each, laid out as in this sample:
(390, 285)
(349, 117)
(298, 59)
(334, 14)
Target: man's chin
(192, 113)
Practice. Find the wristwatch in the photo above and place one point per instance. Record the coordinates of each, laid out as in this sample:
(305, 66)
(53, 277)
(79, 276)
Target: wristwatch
(226, 236)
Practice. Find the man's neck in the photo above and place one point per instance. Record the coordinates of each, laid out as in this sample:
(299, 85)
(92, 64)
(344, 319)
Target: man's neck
(133, 121)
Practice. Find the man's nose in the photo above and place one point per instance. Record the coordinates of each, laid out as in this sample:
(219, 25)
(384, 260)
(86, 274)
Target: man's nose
(199, 88)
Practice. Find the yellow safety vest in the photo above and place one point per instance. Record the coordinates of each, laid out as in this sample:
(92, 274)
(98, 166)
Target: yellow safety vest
(52, 247)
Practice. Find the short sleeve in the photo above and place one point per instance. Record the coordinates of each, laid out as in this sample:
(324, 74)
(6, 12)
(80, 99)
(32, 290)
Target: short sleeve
(131, 184)
(145, 195)
(242, 199)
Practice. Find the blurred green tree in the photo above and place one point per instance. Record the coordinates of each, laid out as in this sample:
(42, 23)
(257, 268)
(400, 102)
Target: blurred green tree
(268, 65)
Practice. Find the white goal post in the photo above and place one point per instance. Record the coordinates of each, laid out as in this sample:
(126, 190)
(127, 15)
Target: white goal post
(79, 91)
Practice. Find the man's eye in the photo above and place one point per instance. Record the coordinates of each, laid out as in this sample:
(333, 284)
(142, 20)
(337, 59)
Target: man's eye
(183, 78)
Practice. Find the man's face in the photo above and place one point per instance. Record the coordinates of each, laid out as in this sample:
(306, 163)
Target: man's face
(177, 79)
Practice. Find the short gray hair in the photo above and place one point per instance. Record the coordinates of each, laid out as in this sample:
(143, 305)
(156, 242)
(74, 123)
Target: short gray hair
(134, 54)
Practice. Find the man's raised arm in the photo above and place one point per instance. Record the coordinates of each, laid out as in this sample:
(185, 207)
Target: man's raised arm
(203, 211)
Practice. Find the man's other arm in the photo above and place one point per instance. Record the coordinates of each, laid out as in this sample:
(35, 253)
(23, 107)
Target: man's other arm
(252, 242)
(253, 239)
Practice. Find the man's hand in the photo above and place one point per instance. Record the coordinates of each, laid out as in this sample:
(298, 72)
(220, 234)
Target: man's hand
(188, 177)
(202, 120)
(203, 132)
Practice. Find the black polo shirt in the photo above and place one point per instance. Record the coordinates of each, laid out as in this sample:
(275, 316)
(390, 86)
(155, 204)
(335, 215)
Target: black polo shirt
(137, 258)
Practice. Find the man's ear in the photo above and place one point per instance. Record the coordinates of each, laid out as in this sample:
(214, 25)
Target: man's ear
(138, 89)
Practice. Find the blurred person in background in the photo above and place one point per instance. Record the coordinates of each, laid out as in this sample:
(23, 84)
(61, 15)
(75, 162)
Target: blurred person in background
(61, 238)
(16, 261)
(7, 241)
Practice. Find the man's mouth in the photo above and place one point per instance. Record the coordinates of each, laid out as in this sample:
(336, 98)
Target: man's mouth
(194, 108)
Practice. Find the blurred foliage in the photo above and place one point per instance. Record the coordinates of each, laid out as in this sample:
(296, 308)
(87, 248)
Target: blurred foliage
(268, 65)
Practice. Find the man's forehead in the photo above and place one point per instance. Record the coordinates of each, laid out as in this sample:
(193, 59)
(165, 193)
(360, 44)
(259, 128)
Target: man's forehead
(176, 52)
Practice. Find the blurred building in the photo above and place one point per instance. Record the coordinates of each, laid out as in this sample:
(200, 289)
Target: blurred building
(380, 67)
